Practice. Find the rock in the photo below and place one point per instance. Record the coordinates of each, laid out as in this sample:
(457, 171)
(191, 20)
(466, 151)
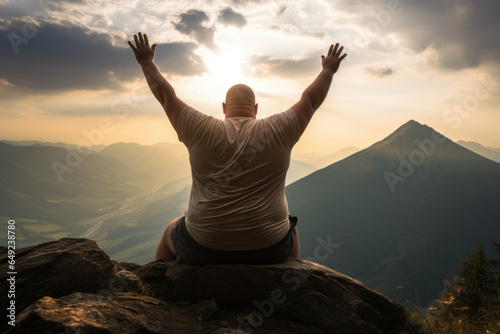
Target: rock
(71, 286)
(127, 265)
(297, 289)
(56, 269)
(119, 313)
(203, 310)
(127, 280)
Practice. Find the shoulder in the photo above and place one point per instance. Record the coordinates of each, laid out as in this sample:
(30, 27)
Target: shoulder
(190, 115)
(191, 121)
(287, 117)
(284, 127)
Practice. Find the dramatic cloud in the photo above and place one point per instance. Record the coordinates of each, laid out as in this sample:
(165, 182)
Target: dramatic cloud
(379, 72)
(191, 24)
(263, 66)
(229, 17)
(462, 33)
(64, 58)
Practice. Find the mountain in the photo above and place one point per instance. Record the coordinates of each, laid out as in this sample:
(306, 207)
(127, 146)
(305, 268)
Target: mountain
(481, 150)
(95, 148)
(161, 163)
(298, 170)
(134, 237)
(497, 150)
(45, 188)
(400, 214)
(335, 156)
(309, 158)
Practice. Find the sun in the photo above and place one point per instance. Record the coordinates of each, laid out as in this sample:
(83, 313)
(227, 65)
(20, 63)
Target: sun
(226, 65)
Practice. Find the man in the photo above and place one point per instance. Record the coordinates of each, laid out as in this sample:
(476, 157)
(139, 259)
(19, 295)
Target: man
(237, 210)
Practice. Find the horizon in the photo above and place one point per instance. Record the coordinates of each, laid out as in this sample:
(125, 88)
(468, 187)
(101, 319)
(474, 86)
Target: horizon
(68, 70)
(317, 154)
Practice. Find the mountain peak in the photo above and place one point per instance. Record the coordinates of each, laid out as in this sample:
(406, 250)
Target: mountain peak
(410, 126)
(410, 131)
(412, 122)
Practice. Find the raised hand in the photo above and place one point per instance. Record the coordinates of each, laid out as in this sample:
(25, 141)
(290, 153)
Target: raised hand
(143, 52)
(333, 58)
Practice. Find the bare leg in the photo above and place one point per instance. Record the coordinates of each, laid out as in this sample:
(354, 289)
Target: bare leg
(165, 250)
(296, 245)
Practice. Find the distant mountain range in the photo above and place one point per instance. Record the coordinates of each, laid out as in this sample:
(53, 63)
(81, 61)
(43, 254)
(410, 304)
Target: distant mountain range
(487, 152)
(400, 214)
(57, 188)
(161, 163)
(335, 156)
(95, 148)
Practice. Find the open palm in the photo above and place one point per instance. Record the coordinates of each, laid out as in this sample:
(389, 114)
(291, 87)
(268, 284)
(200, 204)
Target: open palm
(143, 52)
(333, 58)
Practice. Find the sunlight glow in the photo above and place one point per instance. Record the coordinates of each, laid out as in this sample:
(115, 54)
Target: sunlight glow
(225, 66)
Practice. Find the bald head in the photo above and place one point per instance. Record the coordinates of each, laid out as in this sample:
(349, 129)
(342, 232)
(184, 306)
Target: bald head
(240, 102)
(240, 95)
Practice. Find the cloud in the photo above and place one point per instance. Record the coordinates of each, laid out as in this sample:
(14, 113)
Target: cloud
(75, 2)
(245, 2)
(14, 9)
(461, 33)
(262, 66)
(191, 24)
(229, 17)
(58, 57)
(281, 10)
(379, 72)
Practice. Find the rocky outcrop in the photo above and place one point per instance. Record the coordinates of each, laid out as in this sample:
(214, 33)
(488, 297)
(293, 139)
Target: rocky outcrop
(72, 286)
(57, 269)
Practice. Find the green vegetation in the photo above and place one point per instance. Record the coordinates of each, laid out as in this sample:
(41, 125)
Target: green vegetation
(470, 302)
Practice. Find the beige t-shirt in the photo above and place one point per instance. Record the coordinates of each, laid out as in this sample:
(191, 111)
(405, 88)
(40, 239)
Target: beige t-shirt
(238, 167)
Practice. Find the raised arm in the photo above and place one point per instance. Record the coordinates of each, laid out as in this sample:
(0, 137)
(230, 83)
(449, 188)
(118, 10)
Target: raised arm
(162, 90)
(315, 94)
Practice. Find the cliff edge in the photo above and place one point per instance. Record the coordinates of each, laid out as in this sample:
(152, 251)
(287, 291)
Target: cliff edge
(72, 286)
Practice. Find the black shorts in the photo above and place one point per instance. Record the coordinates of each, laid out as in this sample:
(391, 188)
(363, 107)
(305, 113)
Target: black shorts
(191, 252)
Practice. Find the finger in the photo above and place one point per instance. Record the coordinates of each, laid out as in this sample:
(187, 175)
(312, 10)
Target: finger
(322, 58)
(146, 40)
(340, 51)
(136, 41)
(335, 49)
(132, 46)
(141, 39)
(153, 47)
(340, 59)
(330, 50)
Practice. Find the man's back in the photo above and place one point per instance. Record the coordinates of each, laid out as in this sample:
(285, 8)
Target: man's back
(239, 168)
(237, 206)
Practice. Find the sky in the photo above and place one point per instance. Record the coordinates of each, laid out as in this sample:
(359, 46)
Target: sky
(68, 75)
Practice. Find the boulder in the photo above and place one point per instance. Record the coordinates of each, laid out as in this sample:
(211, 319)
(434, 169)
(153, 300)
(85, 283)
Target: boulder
(72, 285)
(297, 289)
(117, 313)
(56, 269)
